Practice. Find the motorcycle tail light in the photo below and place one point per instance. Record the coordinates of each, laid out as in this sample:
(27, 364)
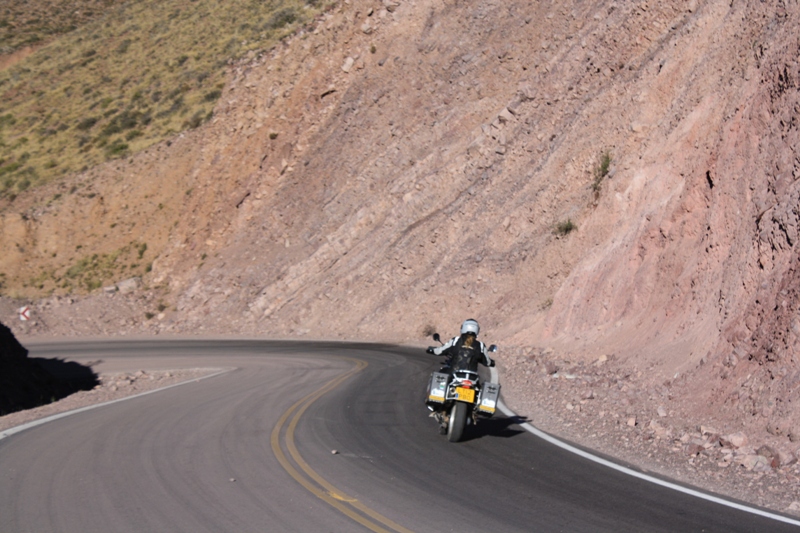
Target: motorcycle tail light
(466, 384)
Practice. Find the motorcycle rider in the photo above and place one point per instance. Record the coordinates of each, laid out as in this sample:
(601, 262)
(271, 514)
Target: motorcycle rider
(465, 351)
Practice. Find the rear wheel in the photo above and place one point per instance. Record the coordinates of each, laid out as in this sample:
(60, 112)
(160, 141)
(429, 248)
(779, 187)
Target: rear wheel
(458, 418)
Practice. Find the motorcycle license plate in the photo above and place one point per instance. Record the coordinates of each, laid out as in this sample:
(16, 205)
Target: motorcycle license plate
(465, 395)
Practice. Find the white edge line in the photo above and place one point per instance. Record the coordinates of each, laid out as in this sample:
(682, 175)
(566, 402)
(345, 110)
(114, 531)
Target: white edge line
(692, 492)
(11, 431)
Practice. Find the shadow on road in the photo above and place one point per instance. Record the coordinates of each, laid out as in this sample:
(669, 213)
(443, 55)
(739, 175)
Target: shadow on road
(73, 376)
(495, 427)
(27, 382)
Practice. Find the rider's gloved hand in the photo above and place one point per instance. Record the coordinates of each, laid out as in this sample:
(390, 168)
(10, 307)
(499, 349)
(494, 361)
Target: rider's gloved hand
(430, 349)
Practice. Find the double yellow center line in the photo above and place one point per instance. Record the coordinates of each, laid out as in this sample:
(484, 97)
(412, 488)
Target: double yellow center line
(309, 479)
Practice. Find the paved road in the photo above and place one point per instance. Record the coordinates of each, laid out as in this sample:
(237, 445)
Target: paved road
(251, 450)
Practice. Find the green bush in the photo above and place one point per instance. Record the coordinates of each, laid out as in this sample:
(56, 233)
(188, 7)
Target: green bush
(116, 148)
(177, 105)
(212, 96)
(565, 228)
(128, 119)
(9, 168)
(87, 123)
(600, 172)
(282, 18)
(7, 120)
(123, 121)
(195, 120)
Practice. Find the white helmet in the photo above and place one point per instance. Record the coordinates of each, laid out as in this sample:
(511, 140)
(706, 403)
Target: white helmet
(470, 325)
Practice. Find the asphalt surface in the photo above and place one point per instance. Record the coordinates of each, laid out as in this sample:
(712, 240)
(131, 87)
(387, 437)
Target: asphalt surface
(252, 450)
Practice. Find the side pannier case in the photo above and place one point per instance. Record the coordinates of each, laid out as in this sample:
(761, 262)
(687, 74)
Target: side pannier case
(437, 387)
(489, 396)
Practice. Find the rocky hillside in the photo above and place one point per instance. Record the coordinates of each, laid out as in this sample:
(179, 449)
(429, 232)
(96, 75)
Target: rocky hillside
(608, 180)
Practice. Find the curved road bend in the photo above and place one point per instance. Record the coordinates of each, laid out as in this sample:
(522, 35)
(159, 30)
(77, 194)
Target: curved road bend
(251, 450)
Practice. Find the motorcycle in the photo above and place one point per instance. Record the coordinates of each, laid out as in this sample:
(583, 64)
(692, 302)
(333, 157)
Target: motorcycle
(459, 397)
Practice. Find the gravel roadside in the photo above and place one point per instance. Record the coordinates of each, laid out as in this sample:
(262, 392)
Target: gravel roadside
(601, 408)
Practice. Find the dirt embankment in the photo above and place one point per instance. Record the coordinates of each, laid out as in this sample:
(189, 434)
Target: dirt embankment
(404, 164)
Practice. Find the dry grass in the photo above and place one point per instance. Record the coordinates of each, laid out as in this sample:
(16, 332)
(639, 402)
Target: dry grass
(131, 77)
(32, 22)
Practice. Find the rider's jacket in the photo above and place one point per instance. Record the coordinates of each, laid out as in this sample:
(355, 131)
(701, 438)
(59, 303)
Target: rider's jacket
(464, 353)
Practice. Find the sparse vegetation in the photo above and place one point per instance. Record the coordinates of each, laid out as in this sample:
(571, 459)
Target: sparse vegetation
(105, 85)
(565, 227)
(600, 173)
(29, 22)
(93, 271)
